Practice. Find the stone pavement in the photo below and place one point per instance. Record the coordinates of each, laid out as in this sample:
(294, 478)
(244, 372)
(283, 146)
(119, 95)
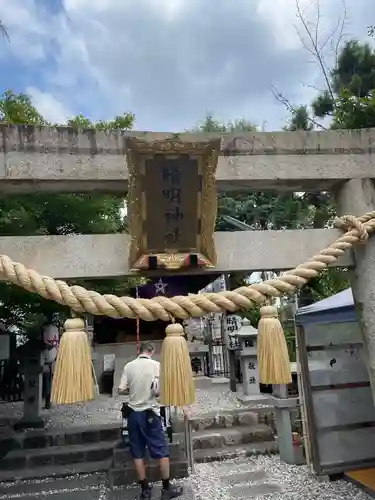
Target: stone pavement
(106, 410)
(262, 478)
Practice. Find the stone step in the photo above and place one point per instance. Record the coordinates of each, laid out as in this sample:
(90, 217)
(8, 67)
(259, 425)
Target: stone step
(219, 438)
(81, 494)
(57, 456)
(42, 438)
(202, 382)
(243, 476)
(247, 491)
(234, 418)
(127, 475)
(122, 457)
(128, 493)
(53, 471)
(231, 452)
(243, 480)
(82, 481)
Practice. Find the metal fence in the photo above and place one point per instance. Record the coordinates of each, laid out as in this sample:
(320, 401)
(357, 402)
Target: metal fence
(220, 365)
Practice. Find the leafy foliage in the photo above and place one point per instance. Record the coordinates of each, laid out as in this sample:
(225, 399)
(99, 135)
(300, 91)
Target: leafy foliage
(210, 124)
(275, 210)
(354, 112)
(350, 97)
(300, 120)
(17, 109)
(121, 122)
(355, 69)
(57, 214)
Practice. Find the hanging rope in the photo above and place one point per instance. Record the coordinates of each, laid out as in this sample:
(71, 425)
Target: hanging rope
(138, 326)
(81, 300)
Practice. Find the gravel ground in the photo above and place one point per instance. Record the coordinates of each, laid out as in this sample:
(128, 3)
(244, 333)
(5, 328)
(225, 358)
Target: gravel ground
(105, 409)
(265, 477)
(262, 478)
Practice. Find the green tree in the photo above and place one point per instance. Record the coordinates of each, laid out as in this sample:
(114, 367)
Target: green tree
(354, 112)
(268, 209)
(349, 99)
(277, 210)
(346, 98)
(320, 212)
(300, 120)
(17, 109)
(210, 124)
(260, 210)
(121, 122)
(57, 214)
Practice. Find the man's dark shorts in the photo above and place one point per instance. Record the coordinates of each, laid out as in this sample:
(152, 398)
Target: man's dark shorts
(146, 431)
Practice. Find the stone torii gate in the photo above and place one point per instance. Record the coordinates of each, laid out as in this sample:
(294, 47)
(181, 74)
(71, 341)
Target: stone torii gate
(62, 160)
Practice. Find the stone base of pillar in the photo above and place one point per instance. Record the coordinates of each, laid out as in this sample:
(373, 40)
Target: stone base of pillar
(35, 423)
(220, 381)
(253, 400)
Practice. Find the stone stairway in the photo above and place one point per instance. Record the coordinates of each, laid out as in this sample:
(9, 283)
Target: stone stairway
(122, 470)
(226, 435)
(42, 453)
(39, 454)
(78, 487)
(235, 479)
(254, 478)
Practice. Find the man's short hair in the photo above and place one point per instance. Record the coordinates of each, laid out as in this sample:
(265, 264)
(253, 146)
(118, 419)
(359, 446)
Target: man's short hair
(146, 348)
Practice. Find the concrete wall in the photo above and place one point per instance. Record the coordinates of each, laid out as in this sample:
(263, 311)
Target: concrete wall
(60, 159)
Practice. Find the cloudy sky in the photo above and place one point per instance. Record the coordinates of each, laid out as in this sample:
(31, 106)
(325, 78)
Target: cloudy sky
(168, 61)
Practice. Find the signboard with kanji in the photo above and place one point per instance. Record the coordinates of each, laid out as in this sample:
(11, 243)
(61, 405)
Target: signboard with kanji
(172, 203)
(233, 323)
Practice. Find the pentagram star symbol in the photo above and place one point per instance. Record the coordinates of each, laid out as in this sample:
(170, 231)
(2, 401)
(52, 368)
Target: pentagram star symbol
(160, 287)
(54, 342)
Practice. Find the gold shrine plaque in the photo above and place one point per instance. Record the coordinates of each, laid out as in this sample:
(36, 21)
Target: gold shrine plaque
(172, 202)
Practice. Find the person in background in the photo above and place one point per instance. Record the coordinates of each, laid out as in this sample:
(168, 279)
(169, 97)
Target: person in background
(140, 381)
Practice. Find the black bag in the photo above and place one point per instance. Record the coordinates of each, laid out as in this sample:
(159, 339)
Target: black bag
(125, 411)
(166, 421)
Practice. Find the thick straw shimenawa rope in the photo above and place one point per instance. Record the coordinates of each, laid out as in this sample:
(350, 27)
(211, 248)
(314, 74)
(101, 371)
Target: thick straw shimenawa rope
(81, 300)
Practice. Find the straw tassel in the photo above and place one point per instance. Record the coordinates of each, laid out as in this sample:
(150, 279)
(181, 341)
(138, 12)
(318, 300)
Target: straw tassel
(177, 386)
(273, 356)
(73, 380)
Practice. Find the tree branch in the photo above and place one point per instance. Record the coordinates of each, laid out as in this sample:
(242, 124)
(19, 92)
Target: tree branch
(292, 109)
(3, 31)
(313, 37)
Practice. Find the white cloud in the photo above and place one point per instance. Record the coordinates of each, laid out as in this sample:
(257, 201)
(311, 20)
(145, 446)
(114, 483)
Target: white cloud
(280, 15)
(29, 29)
(49, 106)
(170, 61)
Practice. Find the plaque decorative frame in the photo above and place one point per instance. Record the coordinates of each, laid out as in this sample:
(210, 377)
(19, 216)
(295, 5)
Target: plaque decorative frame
(205, 154)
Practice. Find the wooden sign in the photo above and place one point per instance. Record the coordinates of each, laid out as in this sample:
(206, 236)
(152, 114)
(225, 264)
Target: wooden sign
(172, 203)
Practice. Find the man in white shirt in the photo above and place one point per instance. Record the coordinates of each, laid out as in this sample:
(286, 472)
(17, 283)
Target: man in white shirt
(140, 380)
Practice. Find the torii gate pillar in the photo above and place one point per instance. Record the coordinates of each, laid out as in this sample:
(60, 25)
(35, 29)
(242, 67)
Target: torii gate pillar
(356, 197)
